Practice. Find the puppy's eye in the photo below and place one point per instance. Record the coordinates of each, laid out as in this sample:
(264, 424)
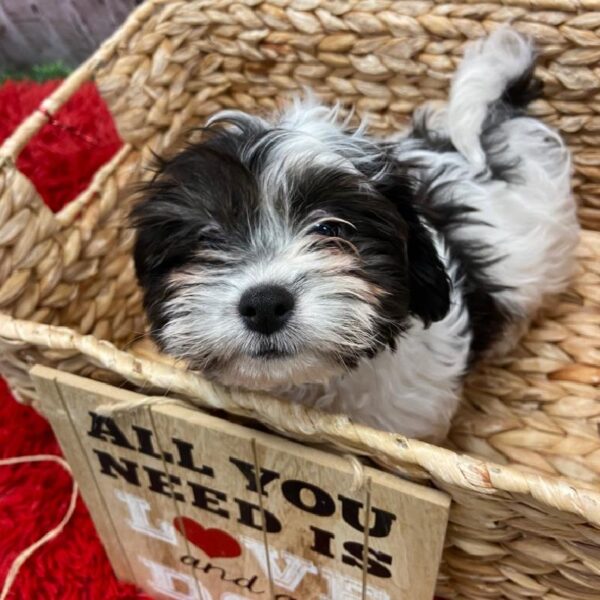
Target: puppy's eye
(327, 229)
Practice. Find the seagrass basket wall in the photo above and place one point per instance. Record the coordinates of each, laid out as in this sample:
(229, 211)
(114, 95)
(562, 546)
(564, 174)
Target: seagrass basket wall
(523, 462)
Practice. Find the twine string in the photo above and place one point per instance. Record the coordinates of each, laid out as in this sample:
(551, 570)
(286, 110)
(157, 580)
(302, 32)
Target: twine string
(105, 410)
(362, 481)
(367, 529)
(263, 519)
(71, 129)
(24, 555)
(359, 477)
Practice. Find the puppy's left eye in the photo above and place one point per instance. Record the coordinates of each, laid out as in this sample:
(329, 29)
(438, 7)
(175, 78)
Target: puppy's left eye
(327, 229)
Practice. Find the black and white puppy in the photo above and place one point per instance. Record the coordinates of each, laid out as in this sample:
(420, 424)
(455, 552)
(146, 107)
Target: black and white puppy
(357, 275)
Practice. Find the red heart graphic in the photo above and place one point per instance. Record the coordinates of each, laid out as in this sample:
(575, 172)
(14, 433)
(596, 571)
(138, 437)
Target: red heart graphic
(215, 543)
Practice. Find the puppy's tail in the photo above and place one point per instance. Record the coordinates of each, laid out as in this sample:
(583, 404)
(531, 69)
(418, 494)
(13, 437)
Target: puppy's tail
(494, 82)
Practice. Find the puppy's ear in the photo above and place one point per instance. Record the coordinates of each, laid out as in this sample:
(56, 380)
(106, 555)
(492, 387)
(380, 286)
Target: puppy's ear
(166, 229)
(429, 285)
(160, 241)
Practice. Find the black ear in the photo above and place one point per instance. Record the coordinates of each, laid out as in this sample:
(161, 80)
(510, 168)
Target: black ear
(429, 285)
(165, 230)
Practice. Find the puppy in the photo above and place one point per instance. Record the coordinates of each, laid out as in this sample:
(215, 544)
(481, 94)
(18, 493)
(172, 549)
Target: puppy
(358, 275)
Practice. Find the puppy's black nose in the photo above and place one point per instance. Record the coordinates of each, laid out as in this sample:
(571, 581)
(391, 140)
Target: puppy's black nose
(266, 308)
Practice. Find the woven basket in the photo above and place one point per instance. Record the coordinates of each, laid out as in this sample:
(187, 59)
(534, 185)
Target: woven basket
(69, 297)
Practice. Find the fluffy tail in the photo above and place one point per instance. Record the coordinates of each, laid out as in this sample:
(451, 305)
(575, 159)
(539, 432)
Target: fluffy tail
(496, 74)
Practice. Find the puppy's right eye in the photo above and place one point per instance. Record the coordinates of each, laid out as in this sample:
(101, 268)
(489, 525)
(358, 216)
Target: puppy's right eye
(327, 229)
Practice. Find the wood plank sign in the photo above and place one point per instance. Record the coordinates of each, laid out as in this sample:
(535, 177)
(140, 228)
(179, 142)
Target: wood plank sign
(192, 507)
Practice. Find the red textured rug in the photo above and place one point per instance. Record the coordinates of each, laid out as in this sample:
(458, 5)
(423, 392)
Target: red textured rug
(60, 161)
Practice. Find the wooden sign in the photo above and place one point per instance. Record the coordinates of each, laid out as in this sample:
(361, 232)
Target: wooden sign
(192, 507)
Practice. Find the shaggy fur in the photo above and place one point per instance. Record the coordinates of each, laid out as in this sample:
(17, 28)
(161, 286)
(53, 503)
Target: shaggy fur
(358, 275)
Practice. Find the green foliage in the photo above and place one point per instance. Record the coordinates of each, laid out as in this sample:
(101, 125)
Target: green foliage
(55, 70)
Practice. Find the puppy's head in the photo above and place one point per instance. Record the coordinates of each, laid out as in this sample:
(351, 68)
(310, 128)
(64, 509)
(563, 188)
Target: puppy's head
(282, 253)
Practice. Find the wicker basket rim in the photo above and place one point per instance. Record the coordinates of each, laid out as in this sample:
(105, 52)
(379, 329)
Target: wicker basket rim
(443, 465)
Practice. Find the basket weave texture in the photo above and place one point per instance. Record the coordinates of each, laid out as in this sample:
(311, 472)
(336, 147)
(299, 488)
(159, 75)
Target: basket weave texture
(69, 299)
